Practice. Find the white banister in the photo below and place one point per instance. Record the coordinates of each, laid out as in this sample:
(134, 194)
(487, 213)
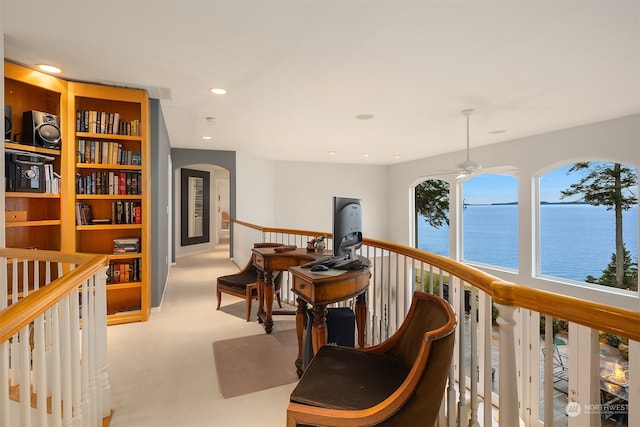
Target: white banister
(41, 352)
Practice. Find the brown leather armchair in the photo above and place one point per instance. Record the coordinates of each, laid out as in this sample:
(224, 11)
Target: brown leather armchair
(244, 284)
(400, 382)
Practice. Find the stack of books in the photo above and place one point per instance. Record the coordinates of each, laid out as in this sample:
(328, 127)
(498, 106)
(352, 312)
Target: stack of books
(126, 245)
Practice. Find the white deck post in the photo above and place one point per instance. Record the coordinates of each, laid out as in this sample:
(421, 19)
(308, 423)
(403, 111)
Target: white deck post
(509, 415)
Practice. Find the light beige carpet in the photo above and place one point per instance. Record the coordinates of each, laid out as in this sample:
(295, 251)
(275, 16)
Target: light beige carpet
(257, 362)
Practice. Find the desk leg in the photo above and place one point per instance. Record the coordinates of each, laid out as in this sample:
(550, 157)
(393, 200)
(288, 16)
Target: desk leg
(268, 300)
(301, 320)
(260, 282)
(361, 317)
(319, 332)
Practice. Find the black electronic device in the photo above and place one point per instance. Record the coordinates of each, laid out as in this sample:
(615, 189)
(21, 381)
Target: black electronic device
(24, 171)
(7, 123)
(347, 226)
(319, 267)
(41, 129)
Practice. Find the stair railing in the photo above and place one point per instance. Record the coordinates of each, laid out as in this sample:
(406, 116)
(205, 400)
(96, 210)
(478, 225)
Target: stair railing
(53, 339)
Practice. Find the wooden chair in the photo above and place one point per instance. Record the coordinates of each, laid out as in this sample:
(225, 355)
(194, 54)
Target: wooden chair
(244, 284)
(400, 382)
(225, 220)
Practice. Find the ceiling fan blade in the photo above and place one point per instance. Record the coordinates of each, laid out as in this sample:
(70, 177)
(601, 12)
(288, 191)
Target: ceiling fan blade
(505, 169)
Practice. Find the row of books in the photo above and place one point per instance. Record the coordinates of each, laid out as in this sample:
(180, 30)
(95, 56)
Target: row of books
(122, 212)
(126, 212)
(123, 272)
(84, 214)
(106, 153)
(126, 245)
(103, 122)
(110, 183)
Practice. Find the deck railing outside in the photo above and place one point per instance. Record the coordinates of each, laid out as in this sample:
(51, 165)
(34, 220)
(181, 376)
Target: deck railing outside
(53, 339)
(493, 344)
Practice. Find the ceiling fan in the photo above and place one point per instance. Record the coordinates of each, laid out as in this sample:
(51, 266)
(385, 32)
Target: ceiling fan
(469, 167)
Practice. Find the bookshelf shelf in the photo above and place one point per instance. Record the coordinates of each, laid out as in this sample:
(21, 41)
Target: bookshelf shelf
(23, 195)
(31, 149)
(109, 136)
(33, 223)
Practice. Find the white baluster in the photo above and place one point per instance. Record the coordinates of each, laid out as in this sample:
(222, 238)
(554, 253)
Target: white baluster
(475, 367)
(509, 416)
(65, 332)
(102, 362)
(39, 370)
(4, 383)
(25, 382)
(76, 372)
(462, 382)
(56, 370)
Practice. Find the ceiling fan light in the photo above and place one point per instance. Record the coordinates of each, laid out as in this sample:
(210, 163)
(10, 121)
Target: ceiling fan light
(469, 166)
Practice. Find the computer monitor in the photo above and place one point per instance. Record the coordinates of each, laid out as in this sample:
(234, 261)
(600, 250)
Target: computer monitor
(347, 226)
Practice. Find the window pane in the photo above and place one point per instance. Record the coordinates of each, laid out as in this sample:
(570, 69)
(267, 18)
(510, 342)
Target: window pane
(432, 216)
(490, 220)
(578, 224)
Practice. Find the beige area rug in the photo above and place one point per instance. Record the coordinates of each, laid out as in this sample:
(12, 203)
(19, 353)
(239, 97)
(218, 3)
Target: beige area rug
(257, 362)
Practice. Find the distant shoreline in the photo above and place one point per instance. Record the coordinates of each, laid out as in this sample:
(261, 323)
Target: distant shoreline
(516, 203)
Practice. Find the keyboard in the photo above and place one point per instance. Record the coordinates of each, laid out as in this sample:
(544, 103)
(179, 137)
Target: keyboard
(350, 264)
(326, 261)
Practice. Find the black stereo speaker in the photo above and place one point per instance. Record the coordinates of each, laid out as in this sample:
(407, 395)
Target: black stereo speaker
(40, 129)
(7, 122)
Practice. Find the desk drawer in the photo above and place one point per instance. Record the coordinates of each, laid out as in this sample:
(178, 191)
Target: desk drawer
(258, 261)
(303, 289)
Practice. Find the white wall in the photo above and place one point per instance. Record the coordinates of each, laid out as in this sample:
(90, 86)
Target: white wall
(304, 195)
(254, 189)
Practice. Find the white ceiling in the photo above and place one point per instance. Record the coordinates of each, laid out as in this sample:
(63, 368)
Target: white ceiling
(299, 72)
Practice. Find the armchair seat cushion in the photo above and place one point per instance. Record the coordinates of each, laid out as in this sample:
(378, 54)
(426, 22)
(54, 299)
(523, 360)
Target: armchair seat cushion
(239, 281)
(347, 378)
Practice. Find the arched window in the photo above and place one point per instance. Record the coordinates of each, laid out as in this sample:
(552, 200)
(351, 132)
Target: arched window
(432, 216)
(490, 220)
(588, 224)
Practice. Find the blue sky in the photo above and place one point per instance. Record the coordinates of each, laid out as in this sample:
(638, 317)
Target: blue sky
(503, 188)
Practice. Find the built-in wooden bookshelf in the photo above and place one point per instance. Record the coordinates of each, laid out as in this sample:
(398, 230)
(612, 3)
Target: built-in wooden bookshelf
(48, 220)
(111, 181)
(33, 219)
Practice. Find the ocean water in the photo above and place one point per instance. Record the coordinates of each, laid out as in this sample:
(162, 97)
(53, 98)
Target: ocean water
(575, 240)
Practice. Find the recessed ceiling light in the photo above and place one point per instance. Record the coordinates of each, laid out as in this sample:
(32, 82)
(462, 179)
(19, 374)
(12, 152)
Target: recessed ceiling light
(364, 116)
(396, 156)
(206, 137)
(210, 119)
(48, 68)
(218, 91)
(495, 132)
(365, 154)
(332, 152)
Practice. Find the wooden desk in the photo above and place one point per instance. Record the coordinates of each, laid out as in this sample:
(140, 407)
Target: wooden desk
(267, 261)
(320, 290)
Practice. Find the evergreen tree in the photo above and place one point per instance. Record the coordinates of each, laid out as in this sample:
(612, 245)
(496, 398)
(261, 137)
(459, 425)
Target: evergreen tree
(432, 202)
(609, 185)
(608, 278)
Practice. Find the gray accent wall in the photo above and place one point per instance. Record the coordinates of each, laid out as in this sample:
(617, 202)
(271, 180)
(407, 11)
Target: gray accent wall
(160, 183)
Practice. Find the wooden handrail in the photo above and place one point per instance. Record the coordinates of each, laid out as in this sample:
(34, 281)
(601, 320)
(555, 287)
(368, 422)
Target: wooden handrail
(615, 320)
(595, 315)
(23, 312)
